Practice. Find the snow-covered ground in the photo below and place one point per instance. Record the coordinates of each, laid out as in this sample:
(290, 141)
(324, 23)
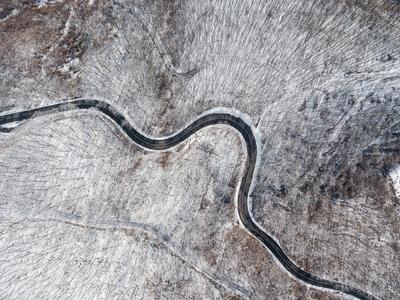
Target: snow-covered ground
(317, 79)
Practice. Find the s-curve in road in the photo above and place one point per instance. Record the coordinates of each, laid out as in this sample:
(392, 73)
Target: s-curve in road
(162, 144)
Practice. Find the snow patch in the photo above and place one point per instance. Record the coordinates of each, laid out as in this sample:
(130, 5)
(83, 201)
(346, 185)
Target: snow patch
(394, 176)
(42, 3)
(69, 68)
(13, 13)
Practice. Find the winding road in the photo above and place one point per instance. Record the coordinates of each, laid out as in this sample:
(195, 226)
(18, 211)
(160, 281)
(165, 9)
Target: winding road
(162, 144)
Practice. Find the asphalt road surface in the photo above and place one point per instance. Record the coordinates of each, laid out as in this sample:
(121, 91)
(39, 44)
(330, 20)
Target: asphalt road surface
(162, 144)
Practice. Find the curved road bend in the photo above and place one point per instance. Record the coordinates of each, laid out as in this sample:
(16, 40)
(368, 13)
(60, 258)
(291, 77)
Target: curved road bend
(166, 143)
